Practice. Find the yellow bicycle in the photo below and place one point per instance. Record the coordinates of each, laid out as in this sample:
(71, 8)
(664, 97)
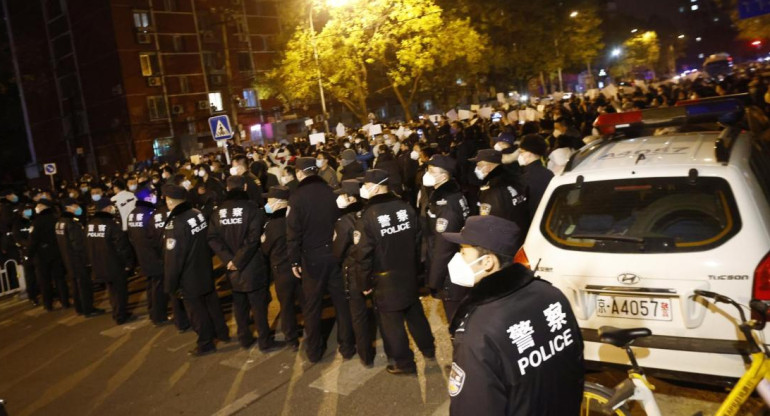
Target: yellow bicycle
(600, 400)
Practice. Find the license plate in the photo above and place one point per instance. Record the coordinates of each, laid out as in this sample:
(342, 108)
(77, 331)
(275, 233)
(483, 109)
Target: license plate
(633, 307)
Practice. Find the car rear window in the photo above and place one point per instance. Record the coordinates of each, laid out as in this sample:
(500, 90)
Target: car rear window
(649, 215)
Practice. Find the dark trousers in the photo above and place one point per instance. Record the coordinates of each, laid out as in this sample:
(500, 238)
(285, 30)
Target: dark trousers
(31, 280)
(157, 299)
(287, 288)
(51, 273)
(395, 337)
(363, 318)
(320, 275)
(181, 320)
(83, 292)
(256, 302)
(207, 319)
(118, 290)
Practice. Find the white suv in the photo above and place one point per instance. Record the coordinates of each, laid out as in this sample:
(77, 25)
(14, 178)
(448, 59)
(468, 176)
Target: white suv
(635, 225)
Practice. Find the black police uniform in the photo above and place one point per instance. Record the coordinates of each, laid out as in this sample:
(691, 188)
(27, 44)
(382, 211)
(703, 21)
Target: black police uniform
(536, 177)
(502, 195)
(145, 237)
(20, 230)
(517, 349)
(159, 218)
(447, 212)
(111, 259)
(44, 250)
(310, 220)
(343, 248)
(387, 250)
(188, 274)
(71, 238)
(234, 235)
(287, 287)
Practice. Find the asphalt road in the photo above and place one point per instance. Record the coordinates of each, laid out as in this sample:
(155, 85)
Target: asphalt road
(60, 364)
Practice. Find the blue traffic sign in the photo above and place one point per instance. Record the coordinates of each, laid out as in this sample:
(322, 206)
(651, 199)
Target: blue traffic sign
(753, 8)
(49, 168)
(220, 127)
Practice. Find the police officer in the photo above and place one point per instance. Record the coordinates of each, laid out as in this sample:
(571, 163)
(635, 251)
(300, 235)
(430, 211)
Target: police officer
(536, 176)
(188, 270)
(71, 238)
(362, 315)
(447, 211)
(310, 219)
(111, 257)
(287, 287)
(20, 229)
(44, 250)
(502, 193)
(240, 167)
(234, 235)
(387, 250)
(517, 345)
(146, 240)
(159, 218)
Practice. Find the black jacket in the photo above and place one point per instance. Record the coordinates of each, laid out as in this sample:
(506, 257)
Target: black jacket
(447, 211)
(234, 235)
(395, 184)
(342, 247)
(274, 244)
(108, 247)
(536, 178)
(253, 188)
(310, 219)
(145, 237)
(71, 238)
(501, 367)
(21, 231)
(187, 258)
(386, 250)
(502, 195)
(42, 240)
(352, 171)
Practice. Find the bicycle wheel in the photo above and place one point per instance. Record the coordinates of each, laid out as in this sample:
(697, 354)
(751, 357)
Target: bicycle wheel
(595, 396)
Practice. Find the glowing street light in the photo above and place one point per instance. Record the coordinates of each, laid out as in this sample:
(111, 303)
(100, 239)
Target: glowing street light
(680, 37)
(573, 14)
(634, 30)
(616, 52)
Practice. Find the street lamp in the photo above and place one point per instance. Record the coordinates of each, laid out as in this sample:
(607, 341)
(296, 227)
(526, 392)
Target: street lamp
(680, 37)
(634, 30)
(616, 52)
(573, 14)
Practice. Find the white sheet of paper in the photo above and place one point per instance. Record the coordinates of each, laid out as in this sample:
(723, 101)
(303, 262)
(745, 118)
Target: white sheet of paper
(375, 129)
(485, 112)
(540, 107)
(592, 93)
(452, 115)
(309, 122)
(513, 116)
(366, 127)
(530, 114)
(475, 107)
(464, 114)
(501, 97)
(316, 138)
(557, 96)
(340, 130)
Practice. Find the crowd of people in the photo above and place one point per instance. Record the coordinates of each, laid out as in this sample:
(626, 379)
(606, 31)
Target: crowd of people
(430, 207)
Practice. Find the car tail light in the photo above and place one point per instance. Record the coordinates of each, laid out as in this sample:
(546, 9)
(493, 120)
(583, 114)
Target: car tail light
(762, 280)
(521, 258)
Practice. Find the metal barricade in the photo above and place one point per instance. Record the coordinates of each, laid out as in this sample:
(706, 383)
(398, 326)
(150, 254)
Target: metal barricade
(5, 278)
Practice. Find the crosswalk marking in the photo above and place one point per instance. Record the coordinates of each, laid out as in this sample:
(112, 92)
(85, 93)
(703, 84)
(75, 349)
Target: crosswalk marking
(120, 330)
(344, 377)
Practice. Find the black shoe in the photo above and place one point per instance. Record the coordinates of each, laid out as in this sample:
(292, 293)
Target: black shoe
(429, 355)
(127, 319)
(95, 312)
(183, 330)
(225, 339)
(161, 323)
(392, 369)
(294, 345)
(367, 364)
(198, 352)
(249, 344)
(272, 346)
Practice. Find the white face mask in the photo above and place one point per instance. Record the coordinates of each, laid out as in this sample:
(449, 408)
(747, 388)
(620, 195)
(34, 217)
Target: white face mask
(376, 151)
(234, 171)
(347, 145)
(461, 273)
(187, 185)
(201, 173)
(342, 202)
(396, 147)
(132, 188)
(319, 163)
(556, 133)
(499, 146)
(285, 179)
(414, 155)
(479, 173)
(428, 180)
(96, 197)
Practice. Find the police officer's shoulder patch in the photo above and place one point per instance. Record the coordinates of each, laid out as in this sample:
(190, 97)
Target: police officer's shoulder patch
(485, 209)
(170, 243)
(456, 380)
(441, 225)
(356, 237)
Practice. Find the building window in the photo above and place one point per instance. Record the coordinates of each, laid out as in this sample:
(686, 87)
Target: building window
(157, 107)
(244, 61)
(192, 127)
(184, 85)
(178, 43)
(162, 147)
(170, 5)
(250, 98)
(141, 19)
(215, 101)
(149, 64)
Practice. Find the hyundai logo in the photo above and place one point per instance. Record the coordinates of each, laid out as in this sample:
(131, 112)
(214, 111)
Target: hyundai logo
(628, 278)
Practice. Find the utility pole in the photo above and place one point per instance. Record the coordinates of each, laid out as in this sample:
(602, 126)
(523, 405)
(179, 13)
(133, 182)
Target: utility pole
(318, 71)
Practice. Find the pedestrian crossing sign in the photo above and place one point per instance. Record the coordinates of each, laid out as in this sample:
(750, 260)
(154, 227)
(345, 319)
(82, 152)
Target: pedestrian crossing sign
(220, 127)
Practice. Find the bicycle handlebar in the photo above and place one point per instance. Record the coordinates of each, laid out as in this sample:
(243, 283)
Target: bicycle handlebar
(724, 299)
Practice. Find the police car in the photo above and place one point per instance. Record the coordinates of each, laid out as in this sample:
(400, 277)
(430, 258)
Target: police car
(638, 221)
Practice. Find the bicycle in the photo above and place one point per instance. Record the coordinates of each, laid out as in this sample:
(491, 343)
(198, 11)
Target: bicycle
(600, 400)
